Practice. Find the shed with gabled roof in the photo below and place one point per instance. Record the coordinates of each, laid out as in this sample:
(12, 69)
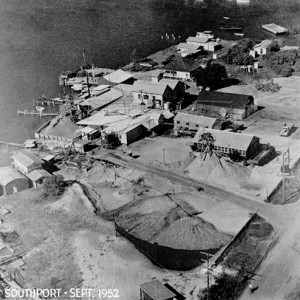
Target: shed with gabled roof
(25, 161)
(37, 177)
(239, 106)
(231, 142)
(192, 122)
(12, 181)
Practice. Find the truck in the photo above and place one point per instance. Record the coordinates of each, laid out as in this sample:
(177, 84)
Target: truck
(286, 129)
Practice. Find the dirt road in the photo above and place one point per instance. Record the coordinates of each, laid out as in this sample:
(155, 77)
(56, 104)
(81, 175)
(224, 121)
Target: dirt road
(279, 272)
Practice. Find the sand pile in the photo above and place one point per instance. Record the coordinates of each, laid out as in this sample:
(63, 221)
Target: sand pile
(220, 170)
(160, 220)
(192, 233)
(61, 126)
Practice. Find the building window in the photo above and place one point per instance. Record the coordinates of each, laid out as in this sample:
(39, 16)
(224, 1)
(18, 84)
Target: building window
(178, 122)
(153, 97)
(146, 97)
(187, 124)
(197, 125)
(139, 96)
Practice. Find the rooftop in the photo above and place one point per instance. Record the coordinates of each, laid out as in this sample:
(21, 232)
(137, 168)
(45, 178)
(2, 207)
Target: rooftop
(26, 158)
(102, 99)
(188, 46)
(200, 120)
(99, 71)
(227, 139)
(9, 174)
(157, 291)
(38, 174)
(199, 40)
(224, 99)
(179, 63)
(172, 83)
(149, 87)
(118, 76)
(263, 44)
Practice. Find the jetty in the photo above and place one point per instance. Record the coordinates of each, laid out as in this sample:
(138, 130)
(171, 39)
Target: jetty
(26, 112)
(46, 101)
(275, 29)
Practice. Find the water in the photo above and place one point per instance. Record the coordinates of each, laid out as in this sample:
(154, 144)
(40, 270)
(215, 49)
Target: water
(41, 38)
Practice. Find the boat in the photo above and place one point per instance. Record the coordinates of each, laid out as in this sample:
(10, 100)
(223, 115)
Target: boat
(239, 34)
(226, 18)
(232, 27)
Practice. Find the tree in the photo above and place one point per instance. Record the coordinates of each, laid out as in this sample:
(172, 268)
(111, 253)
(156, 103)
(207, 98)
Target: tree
(211, 76)
(54, 186)
(273, 47)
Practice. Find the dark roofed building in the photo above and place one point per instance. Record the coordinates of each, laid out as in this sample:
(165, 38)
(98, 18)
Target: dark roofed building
(154, 290)
(237, 106)
(181, 67)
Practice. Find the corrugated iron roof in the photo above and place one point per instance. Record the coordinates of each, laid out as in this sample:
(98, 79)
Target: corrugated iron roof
(149, 87)
(199, 40)
(9, 174)
(188, 46)
(157, 291)
(224, 99)
(38, 174)
(26, 158)
(227, 139)
(172, 83)
(118, 76)
(202, 121)
(103, 99)
(263, 44)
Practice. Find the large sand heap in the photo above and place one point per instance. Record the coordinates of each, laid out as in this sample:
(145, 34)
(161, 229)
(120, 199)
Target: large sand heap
(221, 170)
(61, 126)
(160, 220)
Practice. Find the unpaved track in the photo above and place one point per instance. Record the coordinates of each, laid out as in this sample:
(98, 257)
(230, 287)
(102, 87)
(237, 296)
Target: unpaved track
(280, 270)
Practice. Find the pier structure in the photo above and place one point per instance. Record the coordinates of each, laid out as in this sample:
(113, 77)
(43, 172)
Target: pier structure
(26, 112)
(46, 101)
(275, 29)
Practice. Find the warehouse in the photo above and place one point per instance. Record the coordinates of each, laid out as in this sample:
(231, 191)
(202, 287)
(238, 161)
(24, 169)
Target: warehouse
(230, 142)
(25, 161)
(189, 122)
(12, 181)
(237, 106)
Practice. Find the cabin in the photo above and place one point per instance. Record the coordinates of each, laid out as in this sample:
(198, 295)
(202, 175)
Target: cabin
(89, 133)
(132, 134)
(188, 122)
(152, 95)
(26, 162)
(12, 181)
(181, 68)
(226, 142)
(216, 104)
(261, 48)
(155, 290)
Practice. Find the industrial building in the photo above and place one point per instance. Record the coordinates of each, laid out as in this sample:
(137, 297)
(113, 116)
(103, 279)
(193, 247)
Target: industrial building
(184, 122)
(153, 95)
(26, 162)
(12, 181)
(230, 142)
(216, 104)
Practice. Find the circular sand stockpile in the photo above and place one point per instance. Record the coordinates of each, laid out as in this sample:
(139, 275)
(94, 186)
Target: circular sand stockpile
(192, 233)
(61, 126)
(160, 220)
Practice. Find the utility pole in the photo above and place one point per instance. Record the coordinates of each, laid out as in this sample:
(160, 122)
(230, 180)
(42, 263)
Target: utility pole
(208, 271)
(283, 178)
(164, 156)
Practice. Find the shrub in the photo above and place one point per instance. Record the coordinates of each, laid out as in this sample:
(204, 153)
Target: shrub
(54, 186)
(266, 85)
